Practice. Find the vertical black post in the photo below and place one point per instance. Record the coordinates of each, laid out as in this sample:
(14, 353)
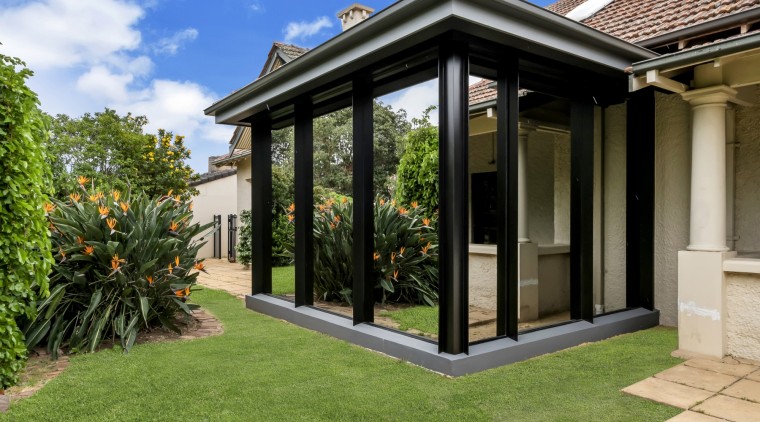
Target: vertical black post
(581, 210)
(640, 199)
(453, 225)
(507, 110)
(304, 174)
(364, 242)
(261, 203)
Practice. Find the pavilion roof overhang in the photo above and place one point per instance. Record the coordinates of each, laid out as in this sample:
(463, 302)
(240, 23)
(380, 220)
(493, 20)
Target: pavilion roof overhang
(409, 23)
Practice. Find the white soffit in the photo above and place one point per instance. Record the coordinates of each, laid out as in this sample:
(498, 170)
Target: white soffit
(587, 9)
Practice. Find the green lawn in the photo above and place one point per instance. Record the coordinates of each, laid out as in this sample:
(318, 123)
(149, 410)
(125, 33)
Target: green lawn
(422, 318)
(264, 369)
(283, 280)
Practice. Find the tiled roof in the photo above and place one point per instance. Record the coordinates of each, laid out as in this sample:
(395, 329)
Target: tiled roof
(214, 175)
(290, 50)
(563, 7)
(639, 20)
(231, 158)
(482, 91)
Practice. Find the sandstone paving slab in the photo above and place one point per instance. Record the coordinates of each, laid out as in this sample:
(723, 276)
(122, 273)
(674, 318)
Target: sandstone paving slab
(755, 376)
(744, 389)
(696, 377)
(730, 408)
(736, 369)
(666, 392)
(689, 416)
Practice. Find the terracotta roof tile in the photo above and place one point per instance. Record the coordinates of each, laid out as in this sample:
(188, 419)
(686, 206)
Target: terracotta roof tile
(292, 51)
(639, 20)
(482, 91)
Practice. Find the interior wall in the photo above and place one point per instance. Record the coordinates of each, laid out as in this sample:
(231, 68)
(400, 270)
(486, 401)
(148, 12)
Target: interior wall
(562, 190)
(614, 208)
(541, 187)
(747, 205)
(672, 197)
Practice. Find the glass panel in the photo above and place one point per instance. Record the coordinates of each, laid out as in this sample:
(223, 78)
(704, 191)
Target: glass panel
(544, 249)
(283, 225)
(483, 209)
(406, 186)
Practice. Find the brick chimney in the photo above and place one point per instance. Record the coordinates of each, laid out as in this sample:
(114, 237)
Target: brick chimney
(353, 15)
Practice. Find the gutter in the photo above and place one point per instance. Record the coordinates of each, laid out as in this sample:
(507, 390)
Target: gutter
(697, 55)
(700, 29)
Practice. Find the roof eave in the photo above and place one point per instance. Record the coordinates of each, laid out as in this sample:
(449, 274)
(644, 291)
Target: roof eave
(409, 19)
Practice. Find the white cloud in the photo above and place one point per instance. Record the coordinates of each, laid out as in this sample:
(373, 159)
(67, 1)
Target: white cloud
(302, 30)
(86, 56)
(256, 6)
(60, 33)
(171, 44)
(415, 100)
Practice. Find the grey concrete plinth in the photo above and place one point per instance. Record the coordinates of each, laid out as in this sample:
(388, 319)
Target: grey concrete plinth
(482, 356)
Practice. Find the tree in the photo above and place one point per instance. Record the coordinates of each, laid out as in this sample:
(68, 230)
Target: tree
(418, 169)
(25, 257)
(114, 151)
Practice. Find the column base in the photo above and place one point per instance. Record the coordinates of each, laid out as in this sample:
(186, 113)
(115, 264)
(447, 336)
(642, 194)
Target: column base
(701, 302)
(707, 248)
(528, 275)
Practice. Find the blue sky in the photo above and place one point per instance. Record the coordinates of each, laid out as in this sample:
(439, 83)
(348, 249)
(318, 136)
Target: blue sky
(166, 59)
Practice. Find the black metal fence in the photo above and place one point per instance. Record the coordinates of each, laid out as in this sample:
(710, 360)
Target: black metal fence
(231, 237)
(218, 236)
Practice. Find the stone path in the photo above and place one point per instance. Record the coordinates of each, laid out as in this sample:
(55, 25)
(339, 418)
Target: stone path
(707, 389)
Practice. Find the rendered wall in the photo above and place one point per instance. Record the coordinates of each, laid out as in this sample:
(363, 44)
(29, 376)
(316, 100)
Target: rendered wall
(743, 315)
(243, 185)
(672, 196)
(215, 197)
(747, 205)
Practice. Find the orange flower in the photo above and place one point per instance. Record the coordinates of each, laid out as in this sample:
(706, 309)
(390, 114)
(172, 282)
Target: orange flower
(382, 201)
(75, 197)
(62, 252)
(291, 217)
(82, 180)
(321, 207)
(415, 205)
(103, 211)
(111, 222)
(115, 262)
(336, 218)
(178, 198)
(173, 226)
(426, 221)
(376, 256)
(393, 202)
(291, 207)
(393, 257)
(176, 260)
(200, 266)
(344, 200)
(88, 250)
(80, 240)
(49, 207)
(170, 192)
(401, 251)
(52, 228)
(170, 269)
(93, 198)
(425, 248)
(150, 279)
(187, 291)
(190, 206)
(402, 210)
(116, 195)
(395, 275)
(332, 226)
(180, 293)
(124, 207)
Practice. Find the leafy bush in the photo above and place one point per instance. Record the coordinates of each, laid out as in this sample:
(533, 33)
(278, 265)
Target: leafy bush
(406, 258)
(243, 247)
(418, 169)
(122, 264)
(24, 248)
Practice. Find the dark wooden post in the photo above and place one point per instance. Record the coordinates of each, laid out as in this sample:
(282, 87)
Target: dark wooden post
(304, 175)
(581, 210)
(261, 202)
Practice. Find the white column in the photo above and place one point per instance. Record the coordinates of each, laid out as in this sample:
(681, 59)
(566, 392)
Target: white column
(708, 167)
(522, 183)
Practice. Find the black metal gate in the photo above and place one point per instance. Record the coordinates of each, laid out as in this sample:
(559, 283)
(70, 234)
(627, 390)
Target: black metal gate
(218, 236)
(231, 237)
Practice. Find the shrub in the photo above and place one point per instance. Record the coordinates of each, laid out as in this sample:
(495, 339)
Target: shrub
(243, 246)
(406, 259)
(418, 168)
(24, 248)
(121, 264)
(282, 235)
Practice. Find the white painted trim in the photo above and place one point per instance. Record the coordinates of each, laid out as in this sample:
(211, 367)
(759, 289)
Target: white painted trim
(742, 265)
(587, 9)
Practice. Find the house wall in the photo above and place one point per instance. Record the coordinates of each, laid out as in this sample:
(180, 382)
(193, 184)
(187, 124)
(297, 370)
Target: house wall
(743, 315)
(243, 185)
(672, 196)
(747, 205)
(541, 187)
(562, 190)
(214, 197)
